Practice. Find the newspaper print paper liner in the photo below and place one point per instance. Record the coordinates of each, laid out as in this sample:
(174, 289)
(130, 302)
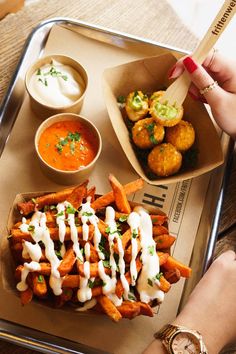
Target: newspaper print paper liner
(8, 265)
(149, 75)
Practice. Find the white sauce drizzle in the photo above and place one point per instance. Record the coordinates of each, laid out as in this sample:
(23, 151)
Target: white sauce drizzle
(87, 251)
(28, 267)
(60, 220)
(31, 250)
(134, 223)
(53, 89)
(87, 214)
(150, 262)
(84, 292)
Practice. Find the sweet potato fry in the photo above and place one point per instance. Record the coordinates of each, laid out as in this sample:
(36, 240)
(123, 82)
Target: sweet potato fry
(26, 208)
(159, 230)
(71, 281)
(66, 295)
(119, 195)
(129, 309)
(125, 238)
(39, 284)
(19, 236)
(164, 284)
(109, 308)
(93, 270)
(159, 219)
(162, 257)
(26, 296)
(145, 309)
(77, 195)
(109, 198)
(164, 241)
(68, 261)
(91, 193)
(173, 263)
(173, 275)
(128, 252)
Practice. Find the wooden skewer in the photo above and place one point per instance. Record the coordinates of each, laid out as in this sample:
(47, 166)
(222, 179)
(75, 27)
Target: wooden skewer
(177, 92)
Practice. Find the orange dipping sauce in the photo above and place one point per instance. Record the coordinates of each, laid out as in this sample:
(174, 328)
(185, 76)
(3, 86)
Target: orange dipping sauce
(68, 145)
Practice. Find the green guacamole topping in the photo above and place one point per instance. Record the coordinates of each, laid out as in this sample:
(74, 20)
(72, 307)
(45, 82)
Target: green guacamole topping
(165, 111)
(136, 102)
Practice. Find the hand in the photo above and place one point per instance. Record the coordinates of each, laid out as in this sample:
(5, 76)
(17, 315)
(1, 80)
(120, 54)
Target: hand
(211, 308)
(222, 99)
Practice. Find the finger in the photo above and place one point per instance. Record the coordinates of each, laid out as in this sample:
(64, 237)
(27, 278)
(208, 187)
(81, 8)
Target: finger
(202, 79)
(222, 69)
(176, 70)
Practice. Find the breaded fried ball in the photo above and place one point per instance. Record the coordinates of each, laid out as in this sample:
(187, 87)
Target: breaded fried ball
(155, 95)
(136, 105)
(164, 160)
(147, 133)
(182, 135)
(166, 115)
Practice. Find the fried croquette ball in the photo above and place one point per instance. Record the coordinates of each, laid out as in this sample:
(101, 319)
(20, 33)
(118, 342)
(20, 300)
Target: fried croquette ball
(155, 95)
(166, 115)
(146, 133)
(182, 135)
(136, 105)
(164, 160)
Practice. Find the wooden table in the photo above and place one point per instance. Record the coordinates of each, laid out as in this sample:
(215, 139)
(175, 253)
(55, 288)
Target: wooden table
(226, 240)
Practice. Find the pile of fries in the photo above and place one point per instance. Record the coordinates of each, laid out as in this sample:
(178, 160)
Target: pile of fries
(96, 252)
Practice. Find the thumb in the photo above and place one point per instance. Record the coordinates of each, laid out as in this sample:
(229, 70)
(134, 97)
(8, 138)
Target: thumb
(202, 80)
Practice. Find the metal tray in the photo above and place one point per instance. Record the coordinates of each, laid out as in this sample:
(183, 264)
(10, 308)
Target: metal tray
(11, 104)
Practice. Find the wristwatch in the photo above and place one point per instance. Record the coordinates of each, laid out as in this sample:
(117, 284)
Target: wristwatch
(181, 340)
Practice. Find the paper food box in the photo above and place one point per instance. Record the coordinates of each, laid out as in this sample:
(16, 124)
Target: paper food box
(150, 75)
(9, 264)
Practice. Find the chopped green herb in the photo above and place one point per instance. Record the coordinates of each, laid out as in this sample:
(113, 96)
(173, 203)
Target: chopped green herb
(153, 139)
(121, 99)
(96, 282)
(74, 136)
(31, 228)
(85, 213)
(72, 148)
(34, 200)
(150, 127)
(159, 275)
(70, 210)
(123, 218)
(59, 148)
(134, 233)
(131, 297)
(151, 250)
(58, 254)
(106, 264)
(150, 282)
(40, 278)
(60, 214)
(38, 72)
(107, 229)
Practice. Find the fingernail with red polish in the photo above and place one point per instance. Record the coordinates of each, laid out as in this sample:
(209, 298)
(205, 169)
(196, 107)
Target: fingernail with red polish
(171, 72)
(190, 65)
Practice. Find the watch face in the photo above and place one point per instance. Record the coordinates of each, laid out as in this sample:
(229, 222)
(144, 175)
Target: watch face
(185, 343)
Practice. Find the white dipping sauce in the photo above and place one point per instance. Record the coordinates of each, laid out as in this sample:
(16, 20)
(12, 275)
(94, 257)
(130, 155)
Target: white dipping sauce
(56, 84)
